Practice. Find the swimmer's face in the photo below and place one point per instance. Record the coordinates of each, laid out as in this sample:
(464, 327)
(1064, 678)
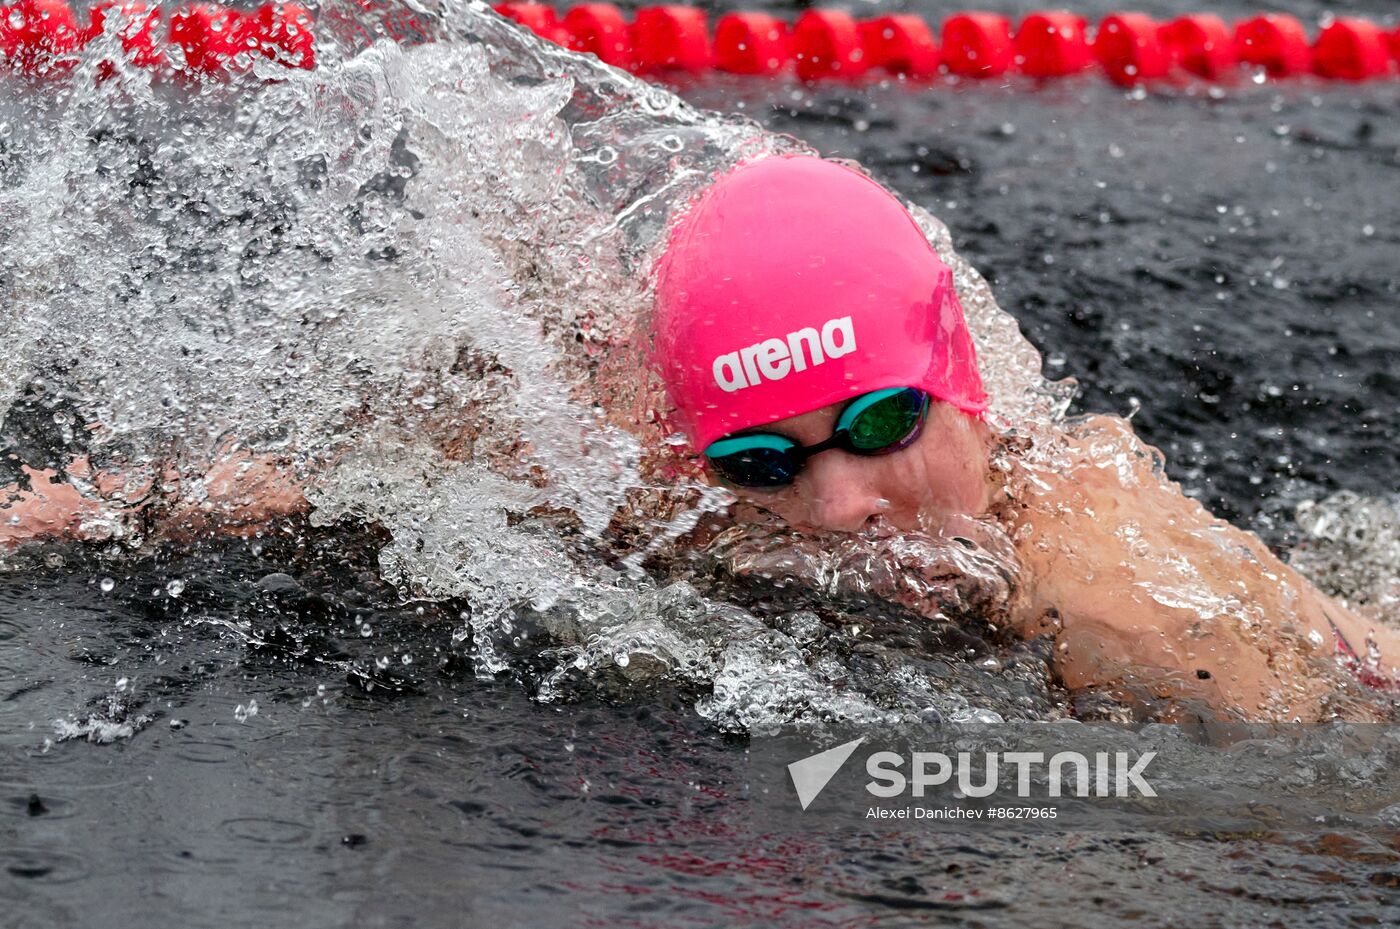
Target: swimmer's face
(943, 473)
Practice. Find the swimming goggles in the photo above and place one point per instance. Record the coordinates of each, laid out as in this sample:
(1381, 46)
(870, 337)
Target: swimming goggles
(876, 423)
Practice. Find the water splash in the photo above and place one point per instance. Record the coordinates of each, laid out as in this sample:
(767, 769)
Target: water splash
(112, 717)
(418, 276)
(1351, 549)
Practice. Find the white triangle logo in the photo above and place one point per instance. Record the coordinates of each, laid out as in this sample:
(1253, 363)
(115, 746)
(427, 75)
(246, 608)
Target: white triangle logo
(811, 775)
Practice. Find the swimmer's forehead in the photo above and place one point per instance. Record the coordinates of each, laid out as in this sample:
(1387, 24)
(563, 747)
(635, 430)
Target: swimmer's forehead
(829, 411)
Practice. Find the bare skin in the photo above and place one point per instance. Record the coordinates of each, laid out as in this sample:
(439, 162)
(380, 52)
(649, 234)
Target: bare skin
(1106, 554)
(239, 495)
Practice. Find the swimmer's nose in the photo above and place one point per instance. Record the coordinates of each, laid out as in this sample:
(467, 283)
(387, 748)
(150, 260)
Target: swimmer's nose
(839, 494)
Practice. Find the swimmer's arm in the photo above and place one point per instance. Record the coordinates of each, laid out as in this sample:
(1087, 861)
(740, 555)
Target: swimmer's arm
(1111, 634)
(238, 495)
(49, 507)
(1142, 583)
(1323, 620)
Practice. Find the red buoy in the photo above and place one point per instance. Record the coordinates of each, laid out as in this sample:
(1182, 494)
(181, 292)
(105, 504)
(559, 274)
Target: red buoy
(751, 43)
(210, 35)
(9, 38)
(901, 44)
(1052, 45)
(826, 44)
(137, 27)
(282, 33)
(539, 18)
(1276, 42)
(1201, 44)
(599, 29)
(1351, 49)
(40, 34)
(977, 44)
(1129, 46)
(671, 37)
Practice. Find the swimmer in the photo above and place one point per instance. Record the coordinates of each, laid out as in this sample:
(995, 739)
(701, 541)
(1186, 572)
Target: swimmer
(816, 355)
(239, 495)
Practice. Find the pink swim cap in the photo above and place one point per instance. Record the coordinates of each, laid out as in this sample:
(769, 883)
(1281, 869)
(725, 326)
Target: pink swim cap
(794, 283)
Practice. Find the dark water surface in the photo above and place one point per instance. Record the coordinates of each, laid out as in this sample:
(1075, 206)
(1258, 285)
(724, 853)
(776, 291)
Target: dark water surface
(361, 796)
(1232, 264)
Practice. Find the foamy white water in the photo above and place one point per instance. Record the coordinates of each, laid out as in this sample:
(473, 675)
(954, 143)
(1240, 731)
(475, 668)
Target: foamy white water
(419, 273)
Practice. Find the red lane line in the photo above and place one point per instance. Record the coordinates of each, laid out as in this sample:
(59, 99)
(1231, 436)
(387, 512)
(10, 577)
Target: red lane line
(40, 36)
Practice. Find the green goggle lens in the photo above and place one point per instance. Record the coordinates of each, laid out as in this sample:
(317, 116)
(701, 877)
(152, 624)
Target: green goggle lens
(883, 418)
(876, 423)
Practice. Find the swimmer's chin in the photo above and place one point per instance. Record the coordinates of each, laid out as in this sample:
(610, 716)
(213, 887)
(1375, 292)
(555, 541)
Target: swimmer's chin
(753, 515)
(971, 572)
